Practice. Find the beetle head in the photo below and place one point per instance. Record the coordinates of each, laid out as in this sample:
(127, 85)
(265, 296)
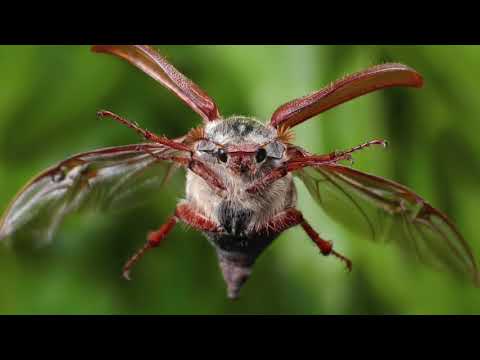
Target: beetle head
(241, 146)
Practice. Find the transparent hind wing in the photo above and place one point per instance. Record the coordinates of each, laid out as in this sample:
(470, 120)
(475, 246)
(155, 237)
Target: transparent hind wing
(384, 211)
(105, 179)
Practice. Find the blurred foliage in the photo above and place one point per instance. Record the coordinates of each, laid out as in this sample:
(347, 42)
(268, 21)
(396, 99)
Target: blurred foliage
(48, 100)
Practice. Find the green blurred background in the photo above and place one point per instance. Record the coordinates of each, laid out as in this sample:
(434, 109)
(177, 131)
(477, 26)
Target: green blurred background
(48, 99)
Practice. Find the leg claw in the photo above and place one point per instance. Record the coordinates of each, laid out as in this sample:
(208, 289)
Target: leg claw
(347, 261)
(126, 275)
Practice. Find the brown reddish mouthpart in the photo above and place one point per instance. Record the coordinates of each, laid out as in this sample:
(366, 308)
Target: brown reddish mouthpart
(241, 162)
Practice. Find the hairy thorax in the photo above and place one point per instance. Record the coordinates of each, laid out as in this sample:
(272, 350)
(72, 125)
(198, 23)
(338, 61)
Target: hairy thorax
(237, 211)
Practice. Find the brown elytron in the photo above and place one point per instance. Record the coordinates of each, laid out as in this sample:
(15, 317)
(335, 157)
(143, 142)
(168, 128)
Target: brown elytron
(239, 190)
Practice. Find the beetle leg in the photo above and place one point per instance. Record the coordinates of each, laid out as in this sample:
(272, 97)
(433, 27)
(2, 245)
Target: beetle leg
(326, 247)
(292, 217)
(186, 213)
(144, 133)
(268, 179)
(292, 165)
(346, 154)
(203, 170)
(206, 173)
(196, 166)
(153, 240)
(283, 221)
(183, 212)
(301, 161)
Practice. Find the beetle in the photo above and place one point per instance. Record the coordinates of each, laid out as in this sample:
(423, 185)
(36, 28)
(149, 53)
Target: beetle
(240, 190)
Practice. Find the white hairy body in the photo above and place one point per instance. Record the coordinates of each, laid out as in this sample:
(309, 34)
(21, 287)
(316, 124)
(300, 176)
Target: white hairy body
(277, 197)
(264, 205)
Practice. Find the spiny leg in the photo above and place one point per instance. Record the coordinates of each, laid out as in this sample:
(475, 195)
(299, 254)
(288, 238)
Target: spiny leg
(326, 247)
(294, 164)
(291, 217)
(197, 166)
(144, 133)
(185, 213)
(347, 154)
(301, 160)
(132, 125)
(279, 223)
(153, 240)
(191, 217)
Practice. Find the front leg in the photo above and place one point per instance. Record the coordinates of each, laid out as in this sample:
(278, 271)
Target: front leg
(294, 164)
(301, 160)
(147, 135)
(201, 169)
(191, 163)
(207, 174)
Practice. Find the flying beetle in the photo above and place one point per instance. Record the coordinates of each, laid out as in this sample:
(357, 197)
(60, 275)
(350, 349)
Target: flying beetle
(240, 190)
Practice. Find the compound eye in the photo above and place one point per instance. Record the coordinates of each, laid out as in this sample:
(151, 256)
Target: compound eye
(222, 155)
(261, 155)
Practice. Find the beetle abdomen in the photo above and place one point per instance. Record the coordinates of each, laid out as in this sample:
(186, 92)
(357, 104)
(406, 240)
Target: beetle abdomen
(246, 245)
(237, 254)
